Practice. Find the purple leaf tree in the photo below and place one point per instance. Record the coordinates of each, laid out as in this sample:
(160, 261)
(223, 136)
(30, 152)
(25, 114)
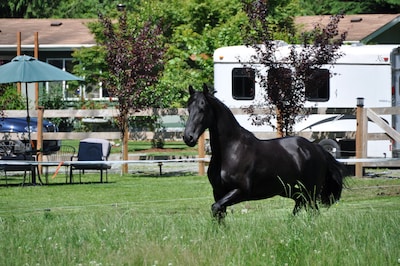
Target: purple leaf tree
(134, 55)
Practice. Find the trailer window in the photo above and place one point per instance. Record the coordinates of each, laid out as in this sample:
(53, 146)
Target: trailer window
(243, 83)
(317, 86)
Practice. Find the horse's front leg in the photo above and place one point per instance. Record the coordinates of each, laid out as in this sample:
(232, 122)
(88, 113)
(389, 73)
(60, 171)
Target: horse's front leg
(219, 207)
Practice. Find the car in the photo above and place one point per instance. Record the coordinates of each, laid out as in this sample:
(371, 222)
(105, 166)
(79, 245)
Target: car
(12, 146)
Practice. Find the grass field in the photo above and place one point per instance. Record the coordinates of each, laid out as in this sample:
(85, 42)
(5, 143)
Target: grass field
(134, 220)
(170, 147)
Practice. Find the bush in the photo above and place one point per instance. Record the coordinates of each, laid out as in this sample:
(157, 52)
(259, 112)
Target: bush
(10, 99)
(157, 143)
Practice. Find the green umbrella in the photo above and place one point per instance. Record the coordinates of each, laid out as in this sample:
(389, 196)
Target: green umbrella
(28, 69)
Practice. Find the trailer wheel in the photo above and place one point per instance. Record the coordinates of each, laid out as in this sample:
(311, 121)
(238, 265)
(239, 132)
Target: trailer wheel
(331, 146)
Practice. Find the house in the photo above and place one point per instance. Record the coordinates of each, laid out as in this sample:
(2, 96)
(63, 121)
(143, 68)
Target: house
(57, 39)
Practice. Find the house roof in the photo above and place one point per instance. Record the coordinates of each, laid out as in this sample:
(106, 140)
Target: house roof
(372, 28)
(368, 28)
(50, 31)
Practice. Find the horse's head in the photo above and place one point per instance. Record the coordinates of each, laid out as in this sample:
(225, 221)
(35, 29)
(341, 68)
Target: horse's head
(200, 115)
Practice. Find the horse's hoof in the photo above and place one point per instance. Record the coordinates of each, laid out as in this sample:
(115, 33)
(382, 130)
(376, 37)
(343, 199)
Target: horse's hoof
(218, 212)
(219, 217)
(215, 209)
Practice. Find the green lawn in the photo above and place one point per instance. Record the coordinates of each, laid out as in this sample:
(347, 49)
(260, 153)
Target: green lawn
(170, 147)
(134, 220)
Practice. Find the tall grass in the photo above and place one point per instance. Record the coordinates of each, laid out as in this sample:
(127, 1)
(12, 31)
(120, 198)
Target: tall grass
(166, 221)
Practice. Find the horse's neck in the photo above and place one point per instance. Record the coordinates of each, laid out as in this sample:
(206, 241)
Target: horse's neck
(225, 129)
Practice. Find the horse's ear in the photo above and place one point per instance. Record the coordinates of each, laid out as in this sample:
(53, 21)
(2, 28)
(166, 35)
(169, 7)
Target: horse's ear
(191, 90)
(205, 89)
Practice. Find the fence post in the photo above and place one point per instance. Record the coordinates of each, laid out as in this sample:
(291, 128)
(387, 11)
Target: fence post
(36, 55)
(19, 53)
(201, 150)
(361, 136)
(39, 138)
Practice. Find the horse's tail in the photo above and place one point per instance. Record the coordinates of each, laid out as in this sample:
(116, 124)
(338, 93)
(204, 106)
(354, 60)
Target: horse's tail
(334, 180)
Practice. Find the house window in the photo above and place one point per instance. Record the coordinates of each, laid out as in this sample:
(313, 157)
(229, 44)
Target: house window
(243, 83)
(89, 91)
(317, 85)
(67, 91)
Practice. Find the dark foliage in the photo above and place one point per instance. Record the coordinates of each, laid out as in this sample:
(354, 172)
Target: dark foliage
(284, 85)
(135, 62)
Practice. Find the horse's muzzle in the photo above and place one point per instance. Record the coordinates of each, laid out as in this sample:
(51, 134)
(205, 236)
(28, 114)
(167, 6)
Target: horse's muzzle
(189, 140)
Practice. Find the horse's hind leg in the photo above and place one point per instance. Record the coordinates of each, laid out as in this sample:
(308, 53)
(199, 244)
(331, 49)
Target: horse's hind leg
(299, 198)
(303, 198)
(308, 204)
(300, 203)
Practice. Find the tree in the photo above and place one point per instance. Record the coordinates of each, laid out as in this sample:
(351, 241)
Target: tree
(10, 99)
(285, 81)
(196, 30)
(135, 62)
(53, 8)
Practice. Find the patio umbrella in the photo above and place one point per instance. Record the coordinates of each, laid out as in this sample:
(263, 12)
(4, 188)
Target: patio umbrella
(28, 69)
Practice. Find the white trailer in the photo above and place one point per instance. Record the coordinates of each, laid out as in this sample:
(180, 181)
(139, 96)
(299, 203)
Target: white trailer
(365, 71)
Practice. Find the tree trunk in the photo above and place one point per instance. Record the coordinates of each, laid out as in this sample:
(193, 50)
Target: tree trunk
(279, 123)
(125, 139)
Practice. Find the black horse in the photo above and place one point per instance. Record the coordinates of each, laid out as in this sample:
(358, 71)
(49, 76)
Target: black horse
(244, 168)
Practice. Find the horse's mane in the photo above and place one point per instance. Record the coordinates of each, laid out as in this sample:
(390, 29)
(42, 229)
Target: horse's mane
(217, 104)
(220, 108)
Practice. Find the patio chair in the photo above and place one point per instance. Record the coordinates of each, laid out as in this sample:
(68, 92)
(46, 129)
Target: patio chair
(91, 149)
(65, 153)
